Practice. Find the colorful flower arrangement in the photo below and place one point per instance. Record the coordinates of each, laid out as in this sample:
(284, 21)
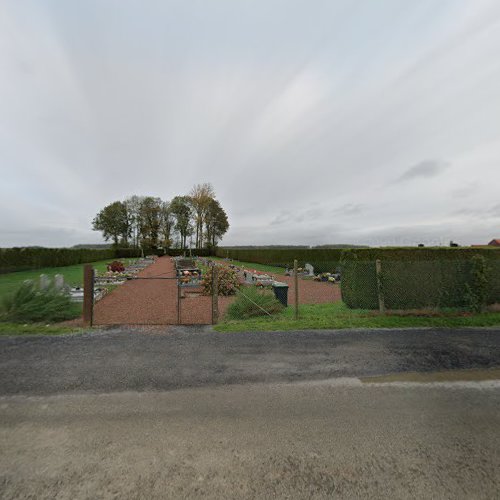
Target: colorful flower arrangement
(228, 281)
(116, 267)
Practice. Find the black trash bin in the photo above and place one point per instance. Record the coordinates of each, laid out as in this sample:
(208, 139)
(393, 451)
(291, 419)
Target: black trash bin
(281, 292)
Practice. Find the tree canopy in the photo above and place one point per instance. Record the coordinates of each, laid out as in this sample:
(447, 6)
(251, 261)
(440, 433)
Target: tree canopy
(147, 221)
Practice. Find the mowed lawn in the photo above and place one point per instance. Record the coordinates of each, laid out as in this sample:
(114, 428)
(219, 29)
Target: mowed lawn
(73, 275)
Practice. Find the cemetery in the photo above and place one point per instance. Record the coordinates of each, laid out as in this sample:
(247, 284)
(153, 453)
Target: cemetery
(186, 290)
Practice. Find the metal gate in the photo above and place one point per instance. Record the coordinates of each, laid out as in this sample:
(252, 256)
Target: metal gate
(192, 307)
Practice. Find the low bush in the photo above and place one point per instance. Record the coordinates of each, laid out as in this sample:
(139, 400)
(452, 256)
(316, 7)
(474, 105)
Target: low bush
(28, 304)
(251, 302)
(228, 282)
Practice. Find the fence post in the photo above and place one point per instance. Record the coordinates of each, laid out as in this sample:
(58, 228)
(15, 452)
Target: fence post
(296, 283)
(88, 294)
(178, 301)
(215, 294)
(380, 290)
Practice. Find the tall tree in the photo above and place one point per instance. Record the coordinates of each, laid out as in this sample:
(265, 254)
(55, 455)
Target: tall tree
(149, 220)
(216, 223)
(167, 224)
(113, 222)
(201, 195)
(181, 209)
(133, 206)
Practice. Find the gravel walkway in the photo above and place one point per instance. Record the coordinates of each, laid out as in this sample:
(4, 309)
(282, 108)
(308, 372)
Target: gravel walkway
(154, 302)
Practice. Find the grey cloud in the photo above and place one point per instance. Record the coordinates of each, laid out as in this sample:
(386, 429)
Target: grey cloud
(349, 209)
(100, 103)
(423, 170)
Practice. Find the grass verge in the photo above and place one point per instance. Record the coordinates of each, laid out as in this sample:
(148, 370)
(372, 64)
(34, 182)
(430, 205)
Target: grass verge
(338, 316)
(14, 329)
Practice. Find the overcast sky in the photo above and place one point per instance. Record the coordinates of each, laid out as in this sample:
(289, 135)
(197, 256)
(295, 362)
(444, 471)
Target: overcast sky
(316, 121)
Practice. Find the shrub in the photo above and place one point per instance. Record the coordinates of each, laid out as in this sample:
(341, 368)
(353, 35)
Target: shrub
(30, 305)
(251, 302)
(116, 267)
(477, 290)
(228, 281)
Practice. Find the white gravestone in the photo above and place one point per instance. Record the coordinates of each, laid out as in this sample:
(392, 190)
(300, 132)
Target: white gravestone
(59, 281)
(44, 282)
(309, 269)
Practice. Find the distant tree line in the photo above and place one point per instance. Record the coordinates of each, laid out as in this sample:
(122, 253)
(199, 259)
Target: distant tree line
(194, 220)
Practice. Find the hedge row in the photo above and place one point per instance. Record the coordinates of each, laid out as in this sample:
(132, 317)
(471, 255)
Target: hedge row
(416, 284)
(328, 259)
(23, 259)
(176, 252)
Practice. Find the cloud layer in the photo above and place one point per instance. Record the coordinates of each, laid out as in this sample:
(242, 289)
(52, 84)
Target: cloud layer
(317, 122)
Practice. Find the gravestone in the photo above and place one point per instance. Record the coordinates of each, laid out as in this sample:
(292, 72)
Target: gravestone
(59, 281)
(309, 269)
(44, 282)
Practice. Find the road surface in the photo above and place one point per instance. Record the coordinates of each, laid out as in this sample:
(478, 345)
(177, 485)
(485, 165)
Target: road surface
(195, 414)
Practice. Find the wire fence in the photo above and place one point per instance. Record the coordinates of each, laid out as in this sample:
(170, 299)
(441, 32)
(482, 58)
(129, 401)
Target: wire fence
(375, 286)
(204, 290)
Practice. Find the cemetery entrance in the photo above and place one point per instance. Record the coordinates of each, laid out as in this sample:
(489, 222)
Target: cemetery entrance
(163, 293)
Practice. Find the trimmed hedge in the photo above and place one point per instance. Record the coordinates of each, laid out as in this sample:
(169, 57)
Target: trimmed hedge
(410, 284)
(282, 257)
(176, 252)
(413, 277)
(25, 259)
(285, 256)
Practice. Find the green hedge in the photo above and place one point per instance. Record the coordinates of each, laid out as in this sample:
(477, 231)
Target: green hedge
(411, 284)
(282, 257)
(176, 252)
(24, 259)
(329, 259)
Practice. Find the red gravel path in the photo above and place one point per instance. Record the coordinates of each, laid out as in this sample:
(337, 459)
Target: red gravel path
(154, 302)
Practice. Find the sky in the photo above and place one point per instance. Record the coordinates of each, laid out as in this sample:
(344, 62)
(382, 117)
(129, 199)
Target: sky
(316, 121)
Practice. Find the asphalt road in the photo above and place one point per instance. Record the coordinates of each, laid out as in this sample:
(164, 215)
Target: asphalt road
(165, 359)
(196, 414)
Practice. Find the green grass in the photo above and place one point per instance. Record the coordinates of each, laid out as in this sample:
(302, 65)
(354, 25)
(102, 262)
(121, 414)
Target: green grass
(11, 329)
(253, 266)
(73, 275)
(338, 315)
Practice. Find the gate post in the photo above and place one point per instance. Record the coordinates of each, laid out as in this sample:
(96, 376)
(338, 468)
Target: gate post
(178, 301)
(215, 294)
(88, 294)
